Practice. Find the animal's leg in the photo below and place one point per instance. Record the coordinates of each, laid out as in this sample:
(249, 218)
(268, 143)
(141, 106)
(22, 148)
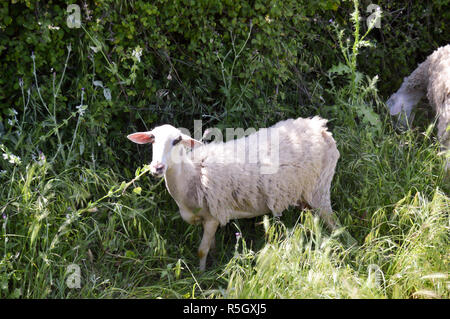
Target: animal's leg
(327, 215)
(446, 152)
(321, 202)
(213, 243)
(189, 217)
(323, 205)
(209, 232)
(324, 211)
(444, 138)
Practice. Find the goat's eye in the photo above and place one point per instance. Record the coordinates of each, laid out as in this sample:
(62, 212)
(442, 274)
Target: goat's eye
(177, 140)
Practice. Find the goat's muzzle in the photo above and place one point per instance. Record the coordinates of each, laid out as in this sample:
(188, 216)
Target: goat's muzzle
(157, 169)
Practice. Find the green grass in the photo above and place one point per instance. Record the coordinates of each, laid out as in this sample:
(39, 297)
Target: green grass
(389, 191)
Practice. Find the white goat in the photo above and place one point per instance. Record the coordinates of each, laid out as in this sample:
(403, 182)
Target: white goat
(431, 77)
(290, 163)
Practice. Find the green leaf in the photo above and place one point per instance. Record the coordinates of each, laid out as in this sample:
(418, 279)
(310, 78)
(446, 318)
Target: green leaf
(137, 190)
(34, 232)
(340, 69)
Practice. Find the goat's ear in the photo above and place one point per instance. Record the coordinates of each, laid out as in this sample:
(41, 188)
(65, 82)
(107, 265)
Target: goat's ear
(189, 142)
(142, 137)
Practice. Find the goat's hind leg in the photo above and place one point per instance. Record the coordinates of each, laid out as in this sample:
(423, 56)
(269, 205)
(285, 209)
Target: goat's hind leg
(326, 213)
(321, 201)
(444, 139)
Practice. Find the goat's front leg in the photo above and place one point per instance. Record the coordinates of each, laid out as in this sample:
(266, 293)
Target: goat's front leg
(209, 235)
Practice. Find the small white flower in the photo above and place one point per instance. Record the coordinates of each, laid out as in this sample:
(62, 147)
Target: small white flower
(162, 93)
(81, 109)
(13, 159)
(41, 158)
(137, 53)
(95, 49)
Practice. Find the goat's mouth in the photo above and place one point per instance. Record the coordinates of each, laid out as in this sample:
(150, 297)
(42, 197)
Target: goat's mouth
(158, 174)
(158, 169)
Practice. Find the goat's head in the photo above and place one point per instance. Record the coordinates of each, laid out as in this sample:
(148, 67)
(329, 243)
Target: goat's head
(167, 148)
(403, 102)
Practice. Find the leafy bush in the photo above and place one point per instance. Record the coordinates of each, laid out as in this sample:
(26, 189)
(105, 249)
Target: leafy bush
(247, 64)
(161, 61)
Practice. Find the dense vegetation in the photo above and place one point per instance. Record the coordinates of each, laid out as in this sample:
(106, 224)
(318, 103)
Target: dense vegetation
(74, 193)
